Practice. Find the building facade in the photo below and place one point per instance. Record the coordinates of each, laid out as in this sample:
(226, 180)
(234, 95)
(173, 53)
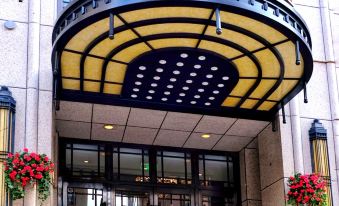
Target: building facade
(130, 154)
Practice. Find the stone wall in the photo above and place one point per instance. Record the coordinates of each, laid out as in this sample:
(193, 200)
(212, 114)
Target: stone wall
(25, 65)
(287, 151)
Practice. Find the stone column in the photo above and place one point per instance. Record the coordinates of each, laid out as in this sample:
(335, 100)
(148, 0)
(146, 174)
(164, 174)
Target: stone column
(296, 135)
(250, 175)
(276, 162)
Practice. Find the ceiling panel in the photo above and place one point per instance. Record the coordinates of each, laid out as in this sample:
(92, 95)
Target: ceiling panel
(145, 118)
(73, 129)
(247, 128)
(99, 133)
(196, 141)
(110, 114)
(76, 111)
(171, 138)
(232, 143)
(214, 125)
(139, 135)
(180, 121)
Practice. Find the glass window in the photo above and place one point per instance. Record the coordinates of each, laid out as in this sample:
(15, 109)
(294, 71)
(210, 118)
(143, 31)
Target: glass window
(84, 197)
(174, 168)
(131, 164)
(129, 198)
(85, 160)
(167, 199)
(215, 170)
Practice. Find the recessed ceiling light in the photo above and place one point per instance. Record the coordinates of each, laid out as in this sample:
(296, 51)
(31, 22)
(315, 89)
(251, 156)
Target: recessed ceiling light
(180, 64)
(85, 161)
(201, 58)
(140, 76)
(205, 136)
(109, 126)
(156, 77)
(162, 61)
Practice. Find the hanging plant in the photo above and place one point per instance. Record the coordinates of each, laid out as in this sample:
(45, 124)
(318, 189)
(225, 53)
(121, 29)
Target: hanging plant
(306, 190)
(24, 168)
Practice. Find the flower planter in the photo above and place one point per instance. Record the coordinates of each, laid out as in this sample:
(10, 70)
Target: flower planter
(27, 173)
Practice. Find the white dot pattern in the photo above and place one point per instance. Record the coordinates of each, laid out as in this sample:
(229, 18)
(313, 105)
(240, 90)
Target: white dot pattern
(185, 77)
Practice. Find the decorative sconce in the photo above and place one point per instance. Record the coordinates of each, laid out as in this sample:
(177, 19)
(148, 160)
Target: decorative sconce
(7, 125)
(319, 152)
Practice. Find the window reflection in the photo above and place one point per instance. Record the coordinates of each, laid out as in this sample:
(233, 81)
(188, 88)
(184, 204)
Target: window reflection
(131, 164)
(85, 160)
(173, 168)
(84, 197)
(128, 198)
(215, 170)
(167, 199)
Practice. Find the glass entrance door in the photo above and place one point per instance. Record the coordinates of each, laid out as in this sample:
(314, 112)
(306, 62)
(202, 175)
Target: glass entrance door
(128, 198)
(85, 197)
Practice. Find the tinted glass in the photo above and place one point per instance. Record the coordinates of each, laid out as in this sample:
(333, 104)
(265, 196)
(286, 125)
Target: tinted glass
(85, 160)
(84, 197)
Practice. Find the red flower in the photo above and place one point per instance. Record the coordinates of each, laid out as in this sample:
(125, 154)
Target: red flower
(27, 158)
(16, 161)
(37, 158)
(24, 181)
(27, 168)
(39, 169)
(33, 165)
(52, 165)
(10, 155)
(25, 150)
(12, 175)
(46, 159)
(38, 176)
(31, 173)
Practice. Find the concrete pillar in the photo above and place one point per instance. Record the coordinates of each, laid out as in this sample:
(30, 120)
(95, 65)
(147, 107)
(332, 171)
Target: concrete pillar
(33, 52)
(296, 135)
(326, 13)
(250, 175)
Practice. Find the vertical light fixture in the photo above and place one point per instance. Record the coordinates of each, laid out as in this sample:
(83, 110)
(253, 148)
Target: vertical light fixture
(7, 122)
(319, 151)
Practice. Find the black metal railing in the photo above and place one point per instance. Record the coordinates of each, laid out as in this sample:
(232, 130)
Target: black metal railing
(282, 11)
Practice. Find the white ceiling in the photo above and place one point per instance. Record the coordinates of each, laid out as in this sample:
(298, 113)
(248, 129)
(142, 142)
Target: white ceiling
(143, 126)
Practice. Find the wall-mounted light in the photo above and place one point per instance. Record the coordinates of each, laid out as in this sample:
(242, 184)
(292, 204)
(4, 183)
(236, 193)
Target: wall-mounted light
(319, 151)
(7, 123)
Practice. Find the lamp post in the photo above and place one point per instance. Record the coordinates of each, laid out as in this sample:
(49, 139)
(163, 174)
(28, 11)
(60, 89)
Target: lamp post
(7, 122)
(319, 152)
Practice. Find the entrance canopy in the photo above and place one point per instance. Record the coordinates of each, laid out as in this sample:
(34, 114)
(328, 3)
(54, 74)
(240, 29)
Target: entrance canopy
(243, 59)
